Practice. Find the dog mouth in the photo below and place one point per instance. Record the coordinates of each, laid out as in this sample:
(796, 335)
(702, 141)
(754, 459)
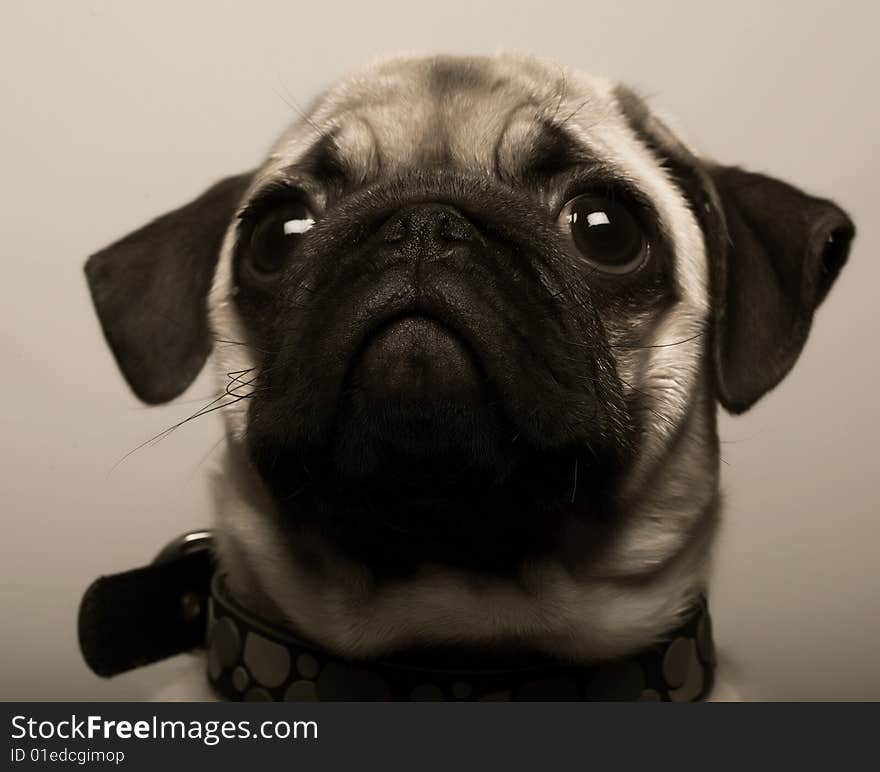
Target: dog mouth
(426, 338)
(417, 357)
(418, 412)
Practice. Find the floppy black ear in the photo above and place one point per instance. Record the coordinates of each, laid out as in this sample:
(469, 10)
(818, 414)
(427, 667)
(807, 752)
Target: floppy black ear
(784, 251)
(773, 253)
(150, 290)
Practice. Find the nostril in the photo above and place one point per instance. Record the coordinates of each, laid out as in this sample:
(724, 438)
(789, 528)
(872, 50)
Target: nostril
(455, 228)
(394, 231)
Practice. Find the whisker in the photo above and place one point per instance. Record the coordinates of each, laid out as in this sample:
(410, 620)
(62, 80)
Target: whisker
(296, 107)
(204, 458)
(177, 402)
(574, 112)
(660, 345)
(209, 408)
(227, 342)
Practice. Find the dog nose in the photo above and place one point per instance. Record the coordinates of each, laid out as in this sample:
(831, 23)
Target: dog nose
(427, 228)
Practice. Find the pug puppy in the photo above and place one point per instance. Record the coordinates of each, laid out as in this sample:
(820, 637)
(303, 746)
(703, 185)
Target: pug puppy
(472, 319)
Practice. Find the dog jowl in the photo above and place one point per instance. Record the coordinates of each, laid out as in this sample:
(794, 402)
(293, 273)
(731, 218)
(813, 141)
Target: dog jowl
(473, 319)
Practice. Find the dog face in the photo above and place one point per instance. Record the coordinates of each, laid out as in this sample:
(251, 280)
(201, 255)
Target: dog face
(472, 318)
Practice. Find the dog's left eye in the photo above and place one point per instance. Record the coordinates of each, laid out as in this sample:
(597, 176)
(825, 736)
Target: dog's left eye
(275, 236)
(605, 233)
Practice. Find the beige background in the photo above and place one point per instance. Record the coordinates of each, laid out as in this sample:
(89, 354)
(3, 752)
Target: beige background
(114, 112)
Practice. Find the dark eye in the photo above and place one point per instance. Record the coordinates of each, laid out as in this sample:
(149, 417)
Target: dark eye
(604, 233)
(275, 237)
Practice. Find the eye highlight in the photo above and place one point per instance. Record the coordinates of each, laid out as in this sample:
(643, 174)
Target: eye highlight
(604, 233)
(298, 226)
(274, 237)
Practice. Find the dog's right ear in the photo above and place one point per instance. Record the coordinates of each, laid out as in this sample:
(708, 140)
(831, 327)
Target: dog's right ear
(150, 290)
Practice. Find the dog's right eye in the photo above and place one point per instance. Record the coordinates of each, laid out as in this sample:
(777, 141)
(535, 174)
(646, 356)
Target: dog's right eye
(275, 237)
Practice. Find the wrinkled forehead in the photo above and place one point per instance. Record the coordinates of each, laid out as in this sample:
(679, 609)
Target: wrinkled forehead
(481, 114)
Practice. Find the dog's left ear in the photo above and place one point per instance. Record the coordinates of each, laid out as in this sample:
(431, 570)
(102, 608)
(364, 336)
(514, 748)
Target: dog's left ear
(150, 290)
(773, 254)
(784, 251)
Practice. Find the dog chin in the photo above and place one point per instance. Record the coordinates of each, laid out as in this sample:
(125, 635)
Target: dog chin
(407, 479)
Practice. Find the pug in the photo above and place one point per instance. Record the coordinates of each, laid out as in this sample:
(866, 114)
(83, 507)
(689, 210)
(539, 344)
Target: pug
(471, 321)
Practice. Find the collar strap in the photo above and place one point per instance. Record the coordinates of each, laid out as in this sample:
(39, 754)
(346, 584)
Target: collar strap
(132, 619)
(141, 616)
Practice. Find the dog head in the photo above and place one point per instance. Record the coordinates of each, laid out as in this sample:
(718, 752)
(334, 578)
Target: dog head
(472, 318)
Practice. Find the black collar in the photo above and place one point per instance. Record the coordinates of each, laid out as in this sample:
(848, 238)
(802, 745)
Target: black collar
(132, 619)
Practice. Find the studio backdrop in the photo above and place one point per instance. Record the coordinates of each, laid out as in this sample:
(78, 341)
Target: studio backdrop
(116, 112)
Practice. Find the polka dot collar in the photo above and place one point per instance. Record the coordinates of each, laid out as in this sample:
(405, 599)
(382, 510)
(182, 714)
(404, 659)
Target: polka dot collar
(250, 659)
(173, 605)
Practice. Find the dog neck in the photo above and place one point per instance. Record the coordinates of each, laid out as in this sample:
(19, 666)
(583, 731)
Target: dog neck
(639, 588)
